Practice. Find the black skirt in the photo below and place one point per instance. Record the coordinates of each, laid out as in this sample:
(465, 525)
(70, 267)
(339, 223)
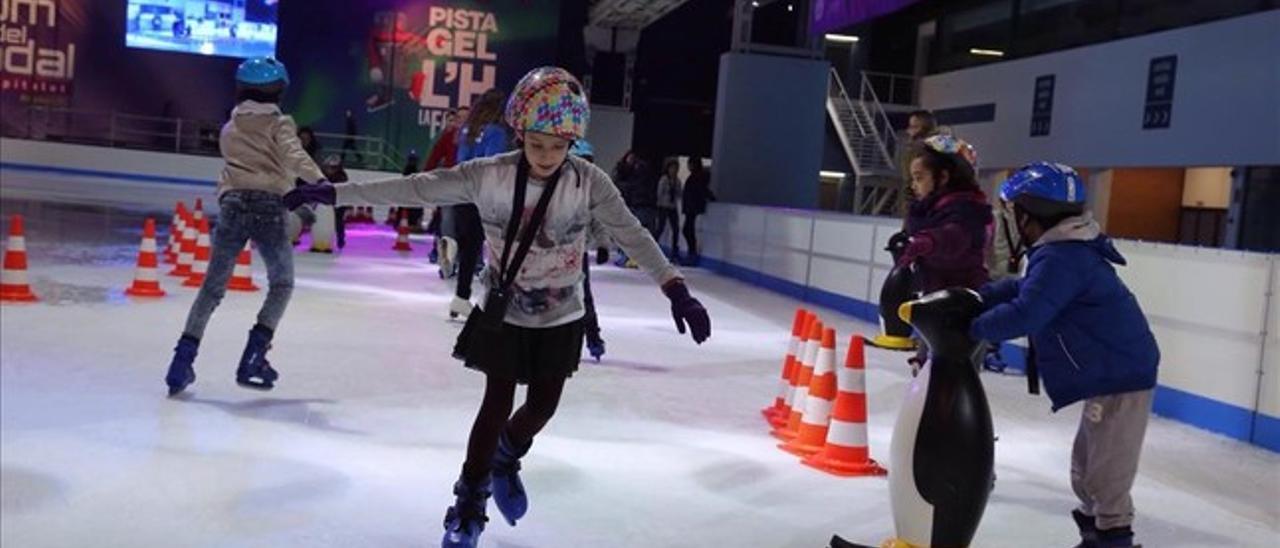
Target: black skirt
(521, 353)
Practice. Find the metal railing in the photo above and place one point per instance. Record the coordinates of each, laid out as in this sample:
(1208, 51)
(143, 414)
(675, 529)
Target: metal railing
(885, 135)
(894, 89)
(176, 135)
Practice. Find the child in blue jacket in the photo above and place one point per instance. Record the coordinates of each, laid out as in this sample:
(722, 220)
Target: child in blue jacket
(1091, 338)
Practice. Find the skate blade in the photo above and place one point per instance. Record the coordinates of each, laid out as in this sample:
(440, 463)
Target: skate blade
(260, 386)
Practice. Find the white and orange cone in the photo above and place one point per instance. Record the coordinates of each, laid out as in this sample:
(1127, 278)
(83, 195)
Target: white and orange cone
(402, 233)
(198, 214)
(201, 264)
(176, 226)
(146, 281)
(778, 413)
(803, 376)
(242, 276)
(186, 246)
(847, 452)
(13, 279)
(811, 436)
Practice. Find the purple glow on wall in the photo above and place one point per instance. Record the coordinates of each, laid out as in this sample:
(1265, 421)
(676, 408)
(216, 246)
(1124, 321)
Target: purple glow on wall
(829, 15)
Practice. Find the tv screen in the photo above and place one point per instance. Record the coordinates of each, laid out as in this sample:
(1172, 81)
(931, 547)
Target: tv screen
(228, 28)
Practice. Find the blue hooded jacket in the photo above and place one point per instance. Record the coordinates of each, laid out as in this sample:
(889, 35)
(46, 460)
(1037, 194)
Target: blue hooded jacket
(1090, 335)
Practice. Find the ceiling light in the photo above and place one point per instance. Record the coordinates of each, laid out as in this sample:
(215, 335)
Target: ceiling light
(987, 52)
(841, 38)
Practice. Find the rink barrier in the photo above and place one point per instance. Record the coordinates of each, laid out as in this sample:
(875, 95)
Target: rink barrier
(121, 176)
(1218, 370)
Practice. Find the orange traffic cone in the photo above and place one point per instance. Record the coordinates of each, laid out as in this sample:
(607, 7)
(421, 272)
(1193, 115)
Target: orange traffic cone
(198, 214)
(145, 281)
(778, 413)
(13, 279)
(186, 246)
(201, 264)
(402, 233)
(242, 276)
(803, 376)
(815, 420)
(176, 227)
(846, 452)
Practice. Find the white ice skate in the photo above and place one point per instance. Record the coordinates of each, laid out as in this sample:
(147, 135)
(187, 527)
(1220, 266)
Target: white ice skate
(447, 257)
(459, 307)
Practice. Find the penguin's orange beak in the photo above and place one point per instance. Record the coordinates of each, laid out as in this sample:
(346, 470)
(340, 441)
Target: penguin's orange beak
(904, 311)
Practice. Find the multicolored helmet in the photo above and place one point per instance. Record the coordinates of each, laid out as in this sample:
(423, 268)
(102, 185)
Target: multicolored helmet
(262, 72)
(549, 100)
(947, 144)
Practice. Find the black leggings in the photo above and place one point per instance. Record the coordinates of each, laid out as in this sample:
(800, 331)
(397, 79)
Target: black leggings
(591, 322)
(670, 217)
(495, 415)
(470, 234)
(691, 233)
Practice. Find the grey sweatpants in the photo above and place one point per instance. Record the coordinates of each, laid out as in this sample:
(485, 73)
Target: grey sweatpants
(1104, 460)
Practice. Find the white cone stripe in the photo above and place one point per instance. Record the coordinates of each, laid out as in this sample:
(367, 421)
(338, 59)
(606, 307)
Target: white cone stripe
(826, 361)
(816, 412)
(801, 398)
(852, 380)
(847, 434)
(783, 386)
(811, 353)
(793, 346)
(186, 258)
(241, 271)
(146, 275)
(14, 277)
(200, 267)
(791, 395)
(148, 246)
(17, 243)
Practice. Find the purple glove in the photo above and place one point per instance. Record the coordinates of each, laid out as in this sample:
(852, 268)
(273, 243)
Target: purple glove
(918, 246)
(320, 193)
(686, 309)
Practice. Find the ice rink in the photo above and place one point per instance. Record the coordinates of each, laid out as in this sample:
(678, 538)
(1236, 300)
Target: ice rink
(661, 445)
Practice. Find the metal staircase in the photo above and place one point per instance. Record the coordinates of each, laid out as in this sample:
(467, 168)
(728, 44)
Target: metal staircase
(869, 141)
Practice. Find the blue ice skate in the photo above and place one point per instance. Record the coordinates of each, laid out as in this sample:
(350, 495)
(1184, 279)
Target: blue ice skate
(508, 490)
(464, 521)
(181, 374)
(255, 371)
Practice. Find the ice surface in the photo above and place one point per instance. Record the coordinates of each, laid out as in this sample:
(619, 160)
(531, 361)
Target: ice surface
(661, 445)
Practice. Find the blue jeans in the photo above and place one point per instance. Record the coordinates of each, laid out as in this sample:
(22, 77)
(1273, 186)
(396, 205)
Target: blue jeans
(246, 215)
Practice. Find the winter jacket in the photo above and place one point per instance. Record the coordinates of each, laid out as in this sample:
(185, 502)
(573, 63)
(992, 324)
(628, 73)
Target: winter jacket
(1004, 258)
(1090, 335)
(548, 289)
(493, 140)
(668, 192)
(949, 234)
(639, 186)
(444, 153)
(262, 151)
(697, 192)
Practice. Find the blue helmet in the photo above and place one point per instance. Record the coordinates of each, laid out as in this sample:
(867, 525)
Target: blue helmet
(582, 149)
(262, 72)
(1045, 189)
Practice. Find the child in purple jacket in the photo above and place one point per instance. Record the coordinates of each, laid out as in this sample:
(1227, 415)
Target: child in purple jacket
(949, 222)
